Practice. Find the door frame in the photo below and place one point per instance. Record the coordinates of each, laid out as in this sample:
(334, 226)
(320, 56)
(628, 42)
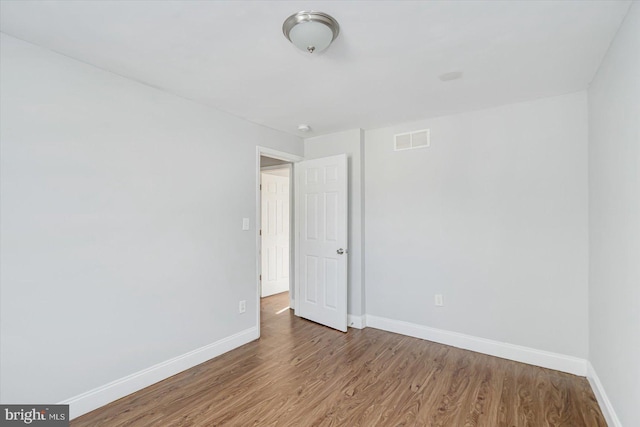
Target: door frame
(288, 157)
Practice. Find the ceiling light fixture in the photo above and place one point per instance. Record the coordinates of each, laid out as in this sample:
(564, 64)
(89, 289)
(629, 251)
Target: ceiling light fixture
(304, 128)
(311, 31)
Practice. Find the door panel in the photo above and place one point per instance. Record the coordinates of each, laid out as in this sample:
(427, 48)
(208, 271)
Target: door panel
(321, 229)
(275, 234)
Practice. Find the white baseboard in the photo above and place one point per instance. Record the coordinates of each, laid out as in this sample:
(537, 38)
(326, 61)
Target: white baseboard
(357, 322)
(559, 362)
(601, 396)
(269, 289)
(93, 399)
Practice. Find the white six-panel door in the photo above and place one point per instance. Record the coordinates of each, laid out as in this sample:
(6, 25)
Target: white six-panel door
(321, 229)
(275, 233)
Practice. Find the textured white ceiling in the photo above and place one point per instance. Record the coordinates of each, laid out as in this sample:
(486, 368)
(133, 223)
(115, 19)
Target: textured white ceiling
(382, 69)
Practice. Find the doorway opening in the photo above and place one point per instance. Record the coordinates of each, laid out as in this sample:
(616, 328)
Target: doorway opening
(318, 245)
(275, 207)
(273, 161)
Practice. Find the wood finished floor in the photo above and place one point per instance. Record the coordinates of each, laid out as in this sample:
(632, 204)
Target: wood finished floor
(303, 374)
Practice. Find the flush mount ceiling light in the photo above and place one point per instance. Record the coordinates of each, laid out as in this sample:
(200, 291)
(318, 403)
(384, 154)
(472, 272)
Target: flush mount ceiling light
(311, 31)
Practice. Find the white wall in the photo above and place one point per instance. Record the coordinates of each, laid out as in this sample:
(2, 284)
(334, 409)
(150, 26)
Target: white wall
(348, 142)
(121, 227)
(493, 216)
(614, 221)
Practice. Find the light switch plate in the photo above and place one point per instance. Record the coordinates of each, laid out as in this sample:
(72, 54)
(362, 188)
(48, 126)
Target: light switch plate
(245, 223)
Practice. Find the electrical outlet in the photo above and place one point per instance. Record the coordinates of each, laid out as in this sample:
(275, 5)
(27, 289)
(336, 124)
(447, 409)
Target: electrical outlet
(242, 307)
(439, 301)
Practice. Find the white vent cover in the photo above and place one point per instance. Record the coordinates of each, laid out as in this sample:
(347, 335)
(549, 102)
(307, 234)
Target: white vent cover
(410, 140)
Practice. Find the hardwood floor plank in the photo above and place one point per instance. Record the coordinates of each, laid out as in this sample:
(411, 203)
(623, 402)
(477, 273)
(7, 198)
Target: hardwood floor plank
(480, 400)
(303, 374)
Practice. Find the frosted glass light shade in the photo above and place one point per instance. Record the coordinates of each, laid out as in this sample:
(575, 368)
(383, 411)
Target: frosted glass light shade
(311, 36)
(311, 31)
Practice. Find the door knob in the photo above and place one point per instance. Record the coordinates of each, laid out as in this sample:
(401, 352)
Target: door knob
(340, 251)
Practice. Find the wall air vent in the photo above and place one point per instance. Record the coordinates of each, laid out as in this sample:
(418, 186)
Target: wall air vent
(410, 140)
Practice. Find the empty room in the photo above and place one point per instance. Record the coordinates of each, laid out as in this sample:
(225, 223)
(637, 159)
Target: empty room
(329, 213)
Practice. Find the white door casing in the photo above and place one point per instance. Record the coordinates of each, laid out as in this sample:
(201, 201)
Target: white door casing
(275, 233)
(321, 240)
(287, 157)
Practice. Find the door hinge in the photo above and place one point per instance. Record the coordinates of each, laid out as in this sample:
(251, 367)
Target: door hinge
(261, 231)
(261, 277)
(260, 186)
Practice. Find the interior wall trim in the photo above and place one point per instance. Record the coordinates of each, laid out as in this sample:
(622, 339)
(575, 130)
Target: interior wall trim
(100, 396)
(532, 356)
(357, 322)
(601, 396)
